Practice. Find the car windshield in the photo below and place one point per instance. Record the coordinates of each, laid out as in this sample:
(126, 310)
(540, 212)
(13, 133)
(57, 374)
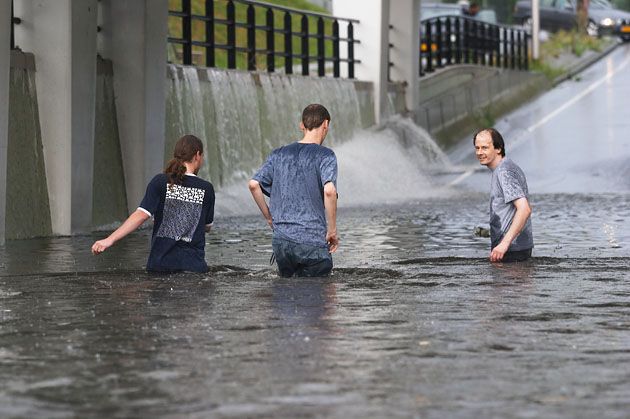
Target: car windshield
(600, 4)
(433, 11)
(594, 4)
(488, 16)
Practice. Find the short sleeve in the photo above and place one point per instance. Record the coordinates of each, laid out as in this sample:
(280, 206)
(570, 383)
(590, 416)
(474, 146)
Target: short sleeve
(264, 176)
(328, 169)
(210, 204)
(152, 196)
(513, 186)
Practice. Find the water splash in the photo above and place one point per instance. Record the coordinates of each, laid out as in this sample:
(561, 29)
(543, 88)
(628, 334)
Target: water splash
(610, 232)
(388, 164)
(242, 116)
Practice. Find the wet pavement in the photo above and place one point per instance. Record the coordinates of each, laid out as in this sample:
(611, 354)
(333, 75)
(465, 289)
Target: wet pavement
(414, 322)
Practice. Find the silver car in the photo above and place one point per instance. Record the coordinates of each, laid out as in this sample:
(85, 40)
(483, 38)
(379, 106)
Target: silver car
(603, 18)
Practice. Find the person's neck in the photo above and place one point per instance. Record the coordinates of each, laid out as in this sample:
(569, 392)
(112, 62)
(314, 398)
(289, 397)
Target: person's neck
(312, 137)
(191, 168)
(495, 163)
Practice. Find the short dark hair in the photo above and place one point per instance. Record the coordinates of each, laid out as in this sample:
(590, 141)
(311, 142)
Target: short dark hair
(314, 115)
(497, 139)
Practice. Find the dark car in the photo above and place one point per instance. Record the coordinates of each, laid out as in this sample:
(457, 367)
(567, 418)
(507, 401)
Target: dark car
(429, 10)
(603, 19)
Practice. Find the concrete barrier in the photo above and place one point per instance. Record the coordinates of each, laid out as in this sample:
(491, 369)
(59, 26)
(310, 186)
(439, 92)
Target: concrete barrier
(460, 99)
(27, 204)
(109, 199)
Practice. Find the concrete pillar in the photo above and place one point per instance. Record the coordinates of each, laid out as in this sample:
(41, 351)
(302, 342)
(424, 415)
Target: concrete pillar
(373, 32)
(136, 42)
(535, 29)
(5, 67)
(62, 36)
(405, 52)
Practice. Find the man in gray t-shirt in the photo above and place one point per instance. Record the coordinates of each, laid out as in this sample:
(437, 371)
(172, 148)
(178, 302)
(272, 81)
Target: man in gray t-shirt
(510, 223)
(300, 180)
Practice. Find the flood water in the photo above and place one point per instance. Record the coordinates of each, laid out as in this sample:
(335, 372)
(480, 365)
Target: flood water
(414, 321)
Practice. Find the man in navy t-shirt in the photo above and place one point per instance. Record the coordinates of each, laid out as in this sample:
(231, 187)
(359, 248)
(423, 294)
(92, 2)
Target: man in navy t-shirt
(182, 206)
(300, 180)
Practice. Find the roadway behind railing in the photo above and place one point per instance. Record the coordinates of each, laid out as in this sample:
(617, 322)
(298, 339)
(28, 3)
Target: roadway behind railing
(459, 40)
(226, 34)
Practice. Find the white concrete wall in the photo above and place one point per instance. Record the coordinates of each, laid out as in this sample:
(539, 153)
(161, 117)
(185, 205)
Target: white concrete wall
(5, 66)
(136, 42)
(62, 36)
(405, 53)
(373, 32)
(374, 52)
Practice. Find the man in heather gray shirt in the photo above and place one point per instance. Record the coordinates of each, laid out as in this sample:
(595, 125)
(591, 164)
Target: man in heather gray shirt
(300, 180)
(510, 223)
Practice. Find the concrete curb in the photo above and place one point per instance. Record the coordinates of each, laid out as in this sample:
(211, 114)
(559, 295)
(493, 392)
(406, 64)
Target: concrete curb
(582, 64)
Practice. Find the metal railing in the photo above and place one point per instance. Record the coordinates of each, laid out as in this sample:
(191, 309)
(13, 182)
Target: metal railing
(235, 23)
(14, 21)
(452, 40)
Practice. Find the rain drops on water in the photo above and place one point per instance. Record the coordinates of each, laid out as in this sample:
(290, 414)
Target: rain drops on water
(611, 236)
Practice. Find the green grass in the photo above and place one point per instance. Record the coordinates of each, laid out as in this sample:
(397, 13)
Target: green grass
(563, 42)
(220, 33)
(570, 41)
(548, 70)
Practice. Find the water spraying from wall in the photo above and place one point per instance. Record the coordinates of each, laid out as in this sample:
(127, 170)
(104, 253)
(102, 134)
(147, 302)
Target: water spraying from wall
(383, 165)
(242, 116)
(389, 164)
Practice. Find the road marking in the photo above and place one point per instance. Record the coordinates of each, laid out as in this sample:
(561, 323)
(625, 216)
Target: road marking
(520, 139)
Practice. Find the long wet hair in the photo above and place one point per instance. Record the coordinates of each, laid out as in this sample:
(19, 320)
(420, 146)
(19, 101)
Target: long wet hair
(185, 150)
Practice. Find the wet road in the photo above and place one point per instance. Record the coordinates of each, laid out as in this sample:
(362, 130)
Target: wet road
(414, 321)
(574, 139)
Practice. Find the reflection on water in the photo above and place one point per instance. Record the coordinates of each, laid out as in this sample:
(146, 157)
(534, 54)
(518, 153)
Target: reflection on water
(413, 322)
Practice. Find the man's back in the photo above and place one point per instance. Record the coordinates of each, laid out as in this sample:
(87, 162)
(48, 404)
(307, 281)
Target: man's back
(294, 177)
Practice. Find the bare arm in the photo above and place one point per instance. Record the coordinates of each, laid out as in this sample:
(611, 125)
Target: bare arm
(134, 221)
(330, 204)
(523, 211)
(259, 198)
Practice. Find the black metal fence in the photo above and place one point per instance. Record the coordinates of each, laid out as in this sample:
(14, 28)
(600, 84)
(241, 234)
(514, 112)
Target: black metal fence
(259, 36)
(452, 40)
(14, 21)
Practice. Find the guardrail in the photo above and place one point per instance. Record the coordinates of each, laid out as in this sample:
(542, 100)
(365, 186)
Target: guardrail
(14, 21)
(240, 36)
(459, 40)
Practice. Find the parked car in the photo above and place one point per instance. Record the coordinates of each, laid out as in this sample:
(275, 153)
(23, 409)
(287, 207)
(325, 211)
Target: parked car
(555, 15)
(429, 10)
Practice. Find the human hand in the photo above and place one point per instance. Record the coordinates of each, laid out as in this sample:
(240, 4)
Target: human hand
(269, 222)
(332, 240)
(496, 255)
(101, 245)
